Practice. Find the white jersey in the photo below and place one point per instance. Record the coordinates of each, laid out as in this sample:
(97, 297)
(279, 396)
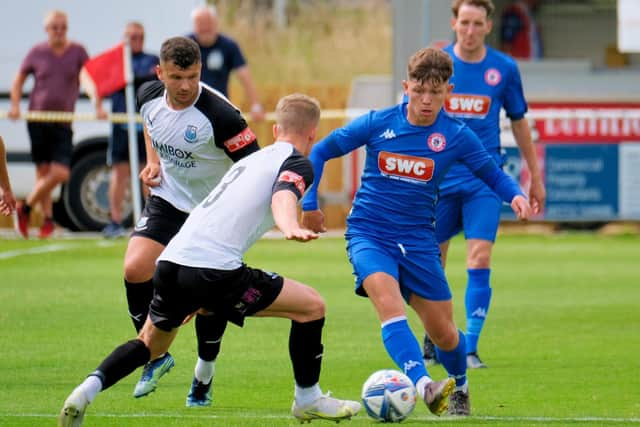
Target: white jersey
(196, 145)
(237, 212)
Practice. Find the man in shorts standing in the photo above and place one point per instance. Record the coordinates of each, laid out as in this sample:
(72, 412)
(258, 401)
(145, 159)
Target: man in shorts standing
(55, 65)
(202, 268)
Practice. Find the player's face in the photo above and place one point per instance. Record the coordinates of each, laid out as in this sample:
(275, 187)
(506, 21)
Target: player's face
(471, 27)
(425, 101)
(181, 83)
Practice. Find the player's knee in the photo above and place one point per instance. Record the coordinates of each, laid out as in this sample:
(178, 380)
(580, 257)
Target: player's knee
(136, 271)
(479, 259)
(315, 307)
(447, 338)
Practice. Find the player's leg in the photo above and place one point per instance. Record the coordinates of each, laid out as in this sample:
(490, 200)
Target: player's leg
(448, 224)
(209, 332)
(304, 306)
(377, 271)
(481, 219)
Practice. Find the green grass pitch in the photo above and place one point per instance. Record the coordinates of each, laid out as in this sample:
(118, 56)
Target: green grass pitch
(562, 340)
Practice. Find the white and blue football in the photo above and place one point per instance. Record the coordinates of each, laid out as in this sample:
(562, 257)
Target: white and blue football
(388, 396)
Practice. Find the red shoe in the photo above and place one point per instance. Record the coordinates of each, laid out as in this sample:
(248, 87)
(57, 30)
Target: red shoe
(47, 228)
(21, 221)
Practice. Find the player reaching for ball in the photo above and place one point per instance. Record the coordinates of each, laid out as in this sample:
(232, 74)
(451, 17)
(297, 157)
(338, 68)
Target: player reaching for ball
(202, 268)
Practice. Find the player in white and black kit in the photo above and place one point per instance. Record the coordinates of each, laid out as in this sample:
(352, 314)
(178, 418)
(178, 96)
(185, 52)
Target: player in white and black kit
(202, 268)
(192, 134)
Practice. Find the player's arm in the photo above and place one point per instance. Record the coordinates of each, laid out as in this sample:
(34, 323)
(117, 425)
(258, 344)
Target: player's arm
(480, 162)
(151, 174)
(230, 130)
(338, 143)
(522, 134)
(294, 177)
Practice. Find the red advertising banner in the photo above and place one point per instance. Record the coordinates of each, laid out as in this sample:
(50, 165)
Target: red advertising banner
(586, 123)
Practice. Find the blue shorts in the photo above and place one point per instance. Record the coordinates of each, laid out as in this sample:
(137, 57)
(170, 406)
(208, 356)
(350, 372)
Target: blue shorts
(118, 151)
(472, 207)
(416, 266)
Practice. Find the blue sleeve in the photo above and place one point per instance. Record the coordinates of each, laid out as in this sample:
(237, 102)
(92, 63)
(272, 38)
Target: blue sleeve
(321, 152)
(480, 162)
(501, 183)
(515, 104)
(340, 142)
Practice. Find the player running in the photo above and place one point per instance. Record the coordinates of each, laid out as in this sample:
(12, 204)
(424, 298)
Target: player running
(390, 230)
(202, 268)
(484, 82)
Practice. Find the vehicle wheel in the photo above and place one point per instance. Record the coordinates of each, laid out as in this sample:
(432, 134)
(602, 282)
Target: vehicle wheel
(86, 195)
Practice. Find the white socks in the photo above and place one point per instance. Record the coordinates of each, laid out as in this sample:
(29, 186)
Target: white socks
(307, 395)
(421, 384)
(91, 386)
(204, 371)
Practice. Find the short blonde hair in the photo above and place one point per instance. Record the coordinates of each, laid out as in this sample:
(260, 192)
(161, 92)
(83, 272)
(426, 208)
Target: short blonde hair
(51, 15)
(297, 113)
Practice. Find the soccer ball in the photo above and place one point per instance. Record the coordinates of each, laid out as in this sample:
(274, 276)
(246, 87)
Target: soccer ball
(388, 396)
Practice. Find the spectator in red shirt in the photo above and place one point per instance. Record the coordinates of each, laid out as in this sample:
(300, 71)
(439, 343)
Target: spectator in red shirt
(55, 65)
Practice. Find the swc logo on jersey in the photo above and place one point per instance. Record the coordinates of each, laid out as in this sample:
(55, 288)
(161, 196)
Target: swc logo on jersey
(407, 168)
(297, 180)
(242, 139)
(467, 105)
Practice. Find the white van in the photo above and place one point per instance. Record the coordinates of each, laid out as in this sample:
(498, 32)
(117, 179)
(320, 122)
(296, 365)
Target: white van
(82, 203)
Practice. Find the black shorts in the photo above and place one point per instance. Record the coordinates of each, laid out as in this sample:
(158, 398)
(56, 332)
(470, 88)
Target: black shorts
(230, 294)
(118, 151)
(159, 220)
(50, 142)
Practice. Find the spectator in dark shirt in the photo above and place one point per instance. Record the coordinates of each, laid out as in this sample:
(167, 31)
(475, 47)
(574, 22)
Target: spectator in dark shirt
(144, 69)
(221, 55)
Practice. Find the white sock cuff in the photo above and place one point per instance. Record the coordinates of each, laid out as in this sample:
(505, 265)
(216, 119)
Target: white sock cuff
(393, 320)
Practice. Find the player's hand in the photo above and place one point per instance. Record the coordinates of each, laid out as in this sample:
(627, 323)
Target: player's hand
(521, 207)
(7, 203)
(300, 235)
(151, 174)
(537, 195)
(314, 221)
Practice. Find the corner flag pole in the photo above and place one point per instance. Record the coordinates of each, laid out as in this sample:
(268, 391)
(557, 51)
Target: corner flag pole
(134, 161)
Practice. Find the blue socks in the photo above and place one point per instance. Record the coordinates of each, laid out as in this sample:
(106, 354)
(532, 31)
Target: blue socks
(455, 361)
(403, 347)
(476, 301)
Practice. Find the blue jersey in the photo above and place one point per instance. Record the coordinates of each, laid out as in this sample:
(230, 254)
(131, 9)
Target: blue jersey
(404, 166)
(480, 91)
(144, 69)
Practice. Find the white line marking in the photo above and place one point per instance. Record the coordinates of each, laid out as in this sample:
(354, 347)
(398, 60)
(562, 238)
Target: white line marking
(56, 247)
(241, 414)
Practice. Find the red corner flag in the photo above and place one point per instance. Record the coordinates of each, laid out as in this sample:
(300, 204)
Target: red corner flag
(104, 74)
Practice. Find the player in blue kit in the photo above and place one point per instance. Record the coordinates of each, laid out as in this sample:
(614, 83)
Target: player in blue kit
(390, 230)
(484, 82)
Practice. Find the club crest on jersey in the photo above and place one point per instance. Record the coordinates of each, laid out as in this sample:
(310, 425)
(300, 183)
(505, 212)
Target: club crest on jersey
(191, 134)
(492, 76)
(437, 142)
(406, 168)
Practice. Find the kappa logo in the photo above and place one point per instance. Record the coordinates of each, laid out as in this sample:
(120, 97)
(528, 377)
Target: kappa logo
(467, 105)
(191, 134)
(480, 312)
(410, 365)
(400, 166)
(388, 134)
